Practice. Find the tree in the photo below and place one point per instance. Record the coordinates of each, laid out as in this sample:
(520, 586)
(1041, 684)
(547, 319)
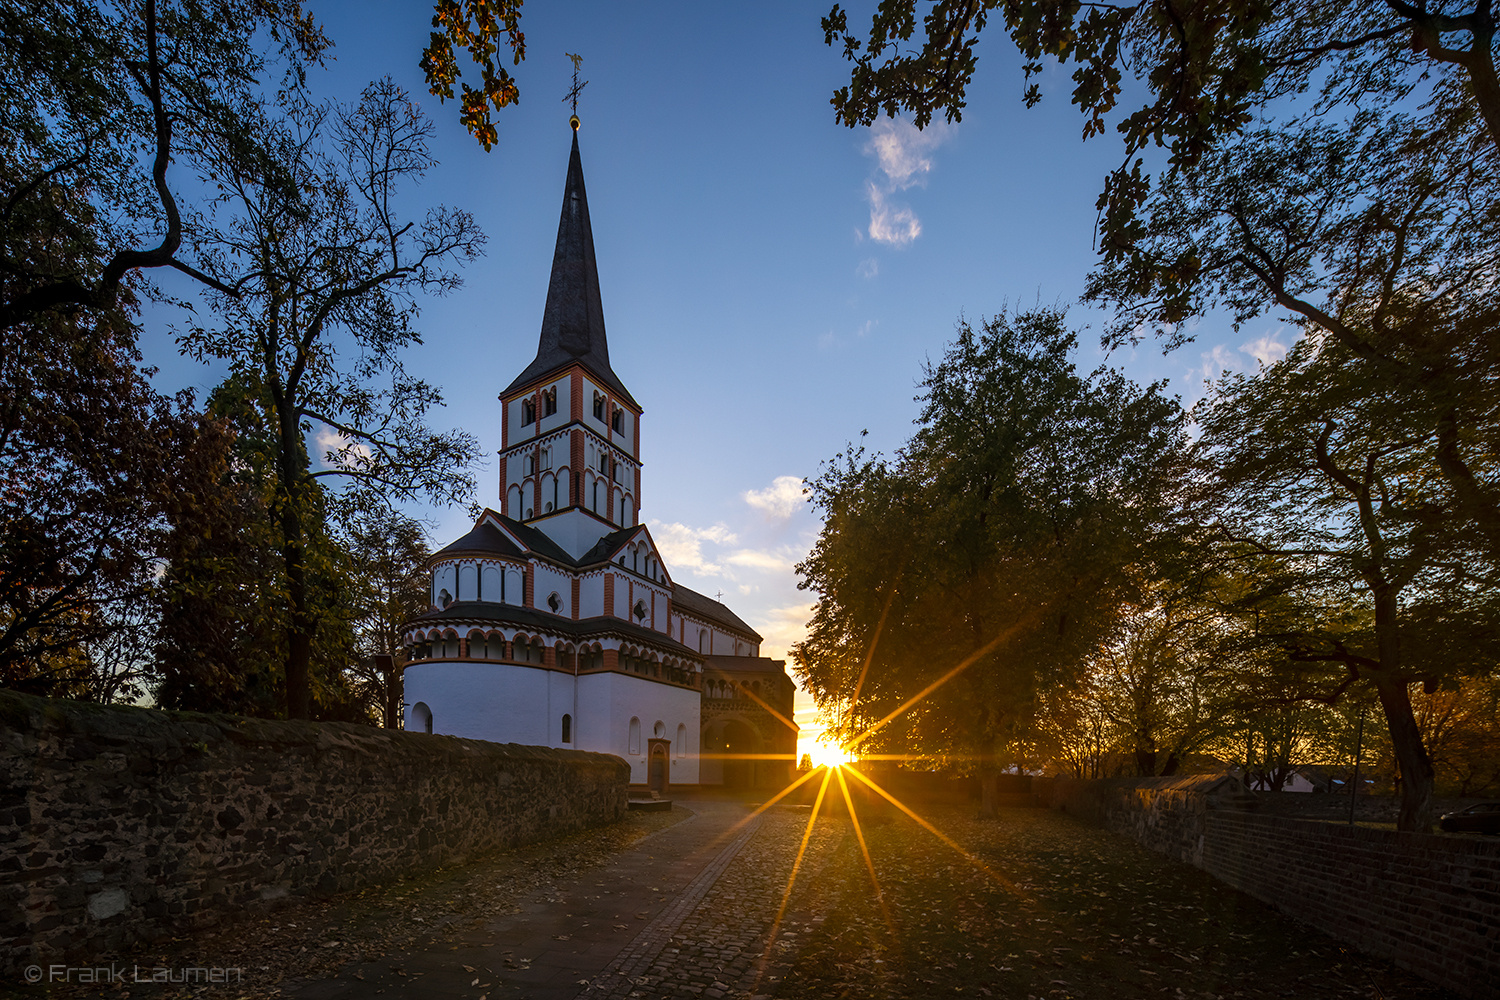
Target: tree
(90, 456)
(391, 553)
(87, 89)
(326, 278)
(479, 29)
(1365, 210)
(959, 583)
(1209, 69)
(1332, 508)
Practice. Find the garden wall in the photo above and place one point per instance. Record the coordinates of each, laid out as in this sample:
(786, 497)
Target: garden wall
(1429, 903)
(123, 825)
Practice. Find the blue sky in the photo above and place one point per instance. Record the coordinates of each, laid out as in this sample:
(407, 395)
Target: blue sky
(772, 281)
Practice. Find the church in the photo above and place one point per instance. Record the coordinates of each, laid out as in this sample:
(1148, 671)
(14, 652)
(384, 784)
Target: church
(555, 621)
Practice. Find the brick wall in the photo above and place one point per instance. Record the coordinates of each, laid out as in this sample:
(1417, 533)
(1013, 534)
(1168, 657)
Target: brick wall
(122, 825)
(1429, 903)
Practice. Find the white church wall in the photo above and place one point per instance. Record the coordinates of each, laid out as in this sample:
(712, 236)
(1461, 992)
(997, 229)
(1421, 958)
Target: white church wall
(518, 432)
(549, 580)
(490, 585)
(468, 582)
(564, 404)
(443, 579)
(607, 702)
(622, 597)
(485, 701)
(562, 700)
(591, 596)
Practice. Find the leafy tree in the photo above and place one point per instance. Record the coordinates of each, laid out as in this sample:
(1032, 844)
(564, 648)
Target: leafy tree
(1160, 684)
(90, 456)
(392, 587)
(1209, 69)
(478, 29)
(326, 278)
(1332, 507)
(959, 583)
(97, 103)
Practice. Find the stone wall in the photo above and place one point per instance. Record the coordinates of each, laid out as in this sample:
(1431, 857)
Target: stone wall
(1429, 903)
(123, 825)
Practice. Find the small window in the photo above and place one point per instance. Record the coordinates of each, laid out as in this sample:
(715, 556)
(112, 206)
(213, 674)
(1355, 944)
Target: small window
(546, 458)
(634, 745)
(421, 715)
(549, 402)
(603, 461)
(528, 412)
(530, 465)
(444, 598)
(554, 601)
(681, 740)
(618, 421)
(567, 729)
(598, 407)
(547, 507)
(659, 730)
(529, 513)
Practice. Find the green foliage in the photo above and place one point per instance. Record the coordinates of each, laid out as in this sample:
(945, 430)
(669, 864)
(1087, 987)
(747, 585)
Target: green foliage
(976, 570)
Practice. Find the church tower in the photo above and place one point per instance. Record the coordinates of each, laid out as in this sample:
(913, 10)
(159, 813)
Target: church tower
(570, 430)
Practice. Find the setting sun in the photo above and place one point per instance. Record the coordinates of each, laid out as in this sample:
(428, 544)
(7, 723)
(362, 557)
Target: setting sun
(826, 754)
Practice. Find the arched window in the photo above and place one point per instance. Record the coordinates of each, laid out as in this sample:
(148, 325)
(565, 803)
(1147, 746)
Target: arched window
(681, 740)
(549, 402)
(421, 717)
(703, 640)
(528, 412)
(618, 421)
(598, 407)
(567, 729)
(598, 487)
(634, 746)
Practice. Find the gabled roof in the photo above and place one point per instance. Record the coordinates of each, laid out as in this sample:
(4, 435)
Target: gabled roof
(605, 548)
(573, 320)
(693, 603)
(485, 537)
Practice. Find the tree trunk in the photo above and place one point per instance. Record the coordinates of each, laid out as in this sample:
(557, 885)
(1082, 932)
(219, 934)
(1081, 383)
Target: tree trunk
(299, 626)
(989, 792)
(1411, 757)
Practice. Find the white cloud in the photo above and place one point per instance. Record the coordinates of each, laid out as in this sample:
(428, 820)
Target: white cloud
(896, 226)
(776, 562)
(331, 442)
(901, 149)
(780, 500)
(868, 268)
(1214, 363)
(782, 627)
(902, 161)
(682, 547)
(1267, 349)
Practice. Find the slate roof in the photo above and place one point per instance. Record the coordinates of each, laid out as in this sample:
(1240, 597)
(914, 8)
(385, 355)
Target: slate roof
(573, 320)
(694, 603)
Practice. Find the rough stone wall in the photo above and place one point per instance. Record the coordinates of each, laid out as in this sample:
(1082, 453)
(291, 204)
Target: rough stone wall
(1429, 903)
(122, 825)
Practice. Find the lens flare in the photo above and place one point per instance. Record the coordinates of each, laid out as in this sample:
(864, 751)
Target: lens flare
(826, 754)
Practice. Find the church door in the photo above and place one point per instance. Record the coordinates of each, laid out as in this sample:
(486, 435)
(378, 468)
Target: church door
(658, 767)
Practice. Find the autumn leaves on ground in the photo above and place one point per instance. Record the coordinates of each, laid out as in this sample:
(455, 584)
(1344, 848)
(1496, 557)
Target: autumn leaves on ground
(1063, 911)
(1036, 905)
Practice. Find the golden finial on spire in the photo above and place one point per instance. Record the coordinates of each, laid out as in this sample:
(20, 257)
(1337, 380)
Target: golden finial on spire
(577, 89)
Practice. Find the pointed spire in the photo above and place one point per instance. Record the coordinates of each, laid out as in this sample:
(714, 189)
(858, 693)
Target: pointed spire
(573, 320)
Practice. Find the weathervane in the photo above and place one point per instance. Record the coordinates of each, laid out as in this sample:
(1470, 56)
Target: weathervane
(577, 89)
